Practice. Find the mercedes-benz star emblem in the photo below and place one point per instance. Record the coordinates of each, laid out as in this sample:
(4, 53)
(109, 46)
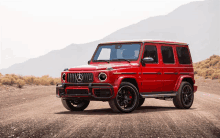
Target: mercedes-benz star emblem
(79, 77)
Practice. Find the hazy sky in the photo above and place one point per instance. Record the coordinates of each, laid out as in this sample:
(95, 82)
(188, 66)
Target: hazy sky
(31, 28)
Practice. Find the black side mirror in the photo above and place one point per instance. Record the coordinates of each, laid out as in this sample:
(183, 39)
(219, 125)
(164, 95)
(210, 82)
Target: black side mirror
(89, 61)
(147, 60)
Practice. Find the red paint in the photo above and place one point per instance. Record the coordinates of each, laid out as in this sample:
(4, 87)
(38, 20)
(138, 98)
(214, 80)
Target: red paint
(145, 76)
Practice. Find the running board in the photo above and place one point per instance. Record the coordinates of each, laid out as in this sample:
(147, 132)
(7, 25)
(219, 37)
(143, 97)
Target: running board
(157, 95)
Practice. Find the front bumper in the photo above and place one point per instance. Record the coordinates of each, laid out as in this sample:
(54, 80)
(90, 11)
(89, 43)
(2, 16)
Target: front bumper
(61, 90)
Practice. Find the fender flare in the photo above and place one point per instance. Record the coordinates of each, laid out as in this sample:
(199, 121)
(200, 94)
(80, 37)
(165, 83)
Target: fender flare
(119, 80)
(179, 81)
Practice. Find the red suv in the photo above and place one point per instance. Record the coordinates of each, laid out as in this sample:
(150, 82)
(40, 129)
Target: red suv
(124, 73)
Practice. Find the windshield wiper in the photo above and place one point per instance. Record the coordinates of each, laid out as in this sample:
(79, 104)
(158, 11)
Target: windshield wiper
(121, 60)
(102, 61)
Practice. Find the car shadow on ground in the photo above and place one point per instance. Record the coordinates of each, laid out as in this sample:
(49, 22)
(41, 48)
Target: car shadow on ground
(108, 111)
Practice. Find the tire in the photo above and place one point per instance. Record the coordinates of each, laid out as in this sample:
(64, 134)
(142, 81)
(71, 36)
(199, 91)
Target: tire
(185, 96)
(141, 102)
(127, 98)
(75, 105)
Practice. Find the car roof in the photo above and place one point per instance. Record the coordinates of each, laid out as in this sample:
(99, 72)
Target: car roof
(146, 41)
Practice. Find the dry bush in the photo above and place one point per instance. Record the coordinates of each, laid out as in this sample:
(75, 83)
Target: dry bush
(45, 80)
(29, 79)
(57, 80)
(206, 65)
(20, 83)
(1, 75)
(37, 81)
(8, 80)
(214, 62)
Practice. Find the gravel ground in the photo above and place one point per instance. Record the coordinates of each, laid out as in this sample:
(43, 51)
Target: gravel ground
(34, 111)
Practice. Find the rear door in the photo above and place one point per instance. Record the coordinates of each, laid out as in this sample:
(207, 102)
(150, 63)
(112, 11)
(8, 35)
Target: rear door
(170, 67)
(152, 72)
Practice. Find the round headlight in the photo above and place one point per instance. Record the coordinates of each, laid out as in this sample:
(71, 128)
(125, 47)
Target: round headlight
(102, 76)
(64, 76)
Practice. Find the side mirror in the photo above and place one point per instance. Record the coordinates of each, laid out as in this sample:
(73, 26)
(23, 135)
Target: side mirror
(89, 61)
(147, 60)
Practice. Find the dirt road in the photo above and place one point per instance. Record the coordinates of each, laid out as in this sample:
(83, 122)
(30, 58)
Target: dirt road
(36, 112)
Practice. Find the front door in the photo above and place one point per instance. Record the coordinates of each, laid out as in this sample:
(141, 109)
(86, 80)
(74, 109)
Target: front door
(152, 72)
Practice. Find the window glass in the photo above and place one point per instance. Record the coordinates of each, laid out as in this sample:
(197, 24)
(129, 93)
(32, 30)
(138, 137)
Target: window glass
(167, 54)
(151, 51)
(117, 52)
(104, 54)
(183, 55)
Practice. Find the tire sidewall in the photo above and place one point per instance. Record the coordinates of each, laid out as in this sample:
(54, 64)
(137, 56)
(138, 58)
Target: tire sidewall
(127, 84)
(180, 95)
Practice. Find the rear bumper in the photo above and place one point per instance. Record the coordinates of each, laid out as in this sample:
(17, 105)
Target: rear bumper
(195, 88)
(61, 90)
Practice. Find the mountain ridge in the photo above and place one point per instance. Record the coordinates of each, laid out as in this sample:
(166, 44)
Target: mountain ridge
(195, 23)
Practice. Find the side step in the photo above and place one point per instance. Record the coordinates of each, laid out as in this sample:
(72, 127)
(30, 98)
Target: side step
(157, 94)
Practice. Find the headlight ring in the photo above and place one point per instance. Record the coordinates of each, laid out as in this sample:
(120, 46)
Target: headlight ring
(102, 76)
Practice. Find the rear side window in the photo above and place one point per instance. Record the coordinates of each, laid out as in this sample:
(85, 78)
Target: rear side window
(183, 55)
(151, 51)
(167, 54)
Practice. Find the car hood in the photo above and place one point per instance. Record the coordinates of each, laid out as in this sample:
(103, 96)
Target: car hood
(103, 66)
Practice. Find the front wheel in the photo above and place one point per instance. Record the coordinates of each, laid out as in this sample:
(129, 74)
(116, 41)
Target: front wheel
(141, 102)
(75, 105)
(127, 99)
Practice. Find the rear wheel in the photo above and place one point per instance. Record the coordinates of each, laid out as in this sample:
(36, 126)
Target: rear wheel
(127, 98)
(75, 105)
(185, 96)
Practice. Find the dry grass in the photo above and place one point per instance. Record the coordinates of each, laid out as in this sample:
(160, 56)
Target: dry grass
(209, 68)
(11, 79)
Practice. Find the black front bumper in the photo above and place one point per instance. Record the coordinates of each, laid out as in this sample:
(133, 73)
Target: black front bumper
(61, 92)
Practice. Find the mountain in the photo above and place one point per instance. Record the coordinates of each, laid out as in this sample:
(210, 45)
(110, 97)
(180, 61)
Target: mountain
(196, 23)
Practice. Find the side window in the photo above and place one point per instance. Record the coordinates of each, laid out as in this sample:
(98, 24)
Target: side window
(151, 51)
(183, 55)
(167, 54)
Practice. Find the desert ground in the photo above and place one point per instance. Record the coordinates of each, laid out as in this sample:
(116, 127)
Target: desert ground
(34, 111)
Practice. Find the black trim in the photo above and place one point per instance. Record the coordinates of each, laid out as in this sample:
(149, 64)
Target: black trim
(128, 73)
(176, 73)
(90, 87)
(152, 73)
(184, 73)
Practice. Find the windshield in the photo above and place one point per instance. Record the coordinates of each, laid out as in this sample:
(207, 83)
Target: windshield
(117, 52)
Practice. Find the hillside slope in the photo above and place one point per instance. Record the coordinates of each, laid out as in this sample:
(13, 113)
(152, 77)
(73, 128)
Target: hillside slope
(196, 23)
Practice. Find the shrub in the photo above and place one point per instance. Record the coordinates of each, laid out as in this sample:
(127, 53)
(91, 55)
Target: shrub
(29, 79)
(20, 83)
(8, 80)
(216, 75)
(37, 81)
(214, 62)
(205, 65)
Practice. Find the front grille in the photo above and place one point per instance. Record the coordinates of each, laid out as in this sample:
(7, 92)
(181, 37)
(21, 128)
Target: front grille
(79, 77)
(77, 91)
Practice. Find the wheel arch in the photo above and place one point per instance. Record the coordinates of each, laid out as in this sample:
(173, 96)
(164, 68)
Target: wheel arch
(186, 78)
(127, 79)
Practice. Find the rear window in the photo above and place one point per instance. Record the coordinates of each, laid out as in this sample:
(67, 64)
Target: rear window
(183, 55)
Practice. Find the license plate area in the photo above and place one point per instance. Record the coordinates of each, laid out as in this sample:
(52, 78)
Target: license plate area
(77, 91)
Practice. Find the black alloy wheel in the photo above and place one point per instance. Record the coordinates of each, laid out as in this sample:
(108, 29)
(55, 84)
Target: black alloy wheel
(127, 98)
(185, 96)
(75, 105)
